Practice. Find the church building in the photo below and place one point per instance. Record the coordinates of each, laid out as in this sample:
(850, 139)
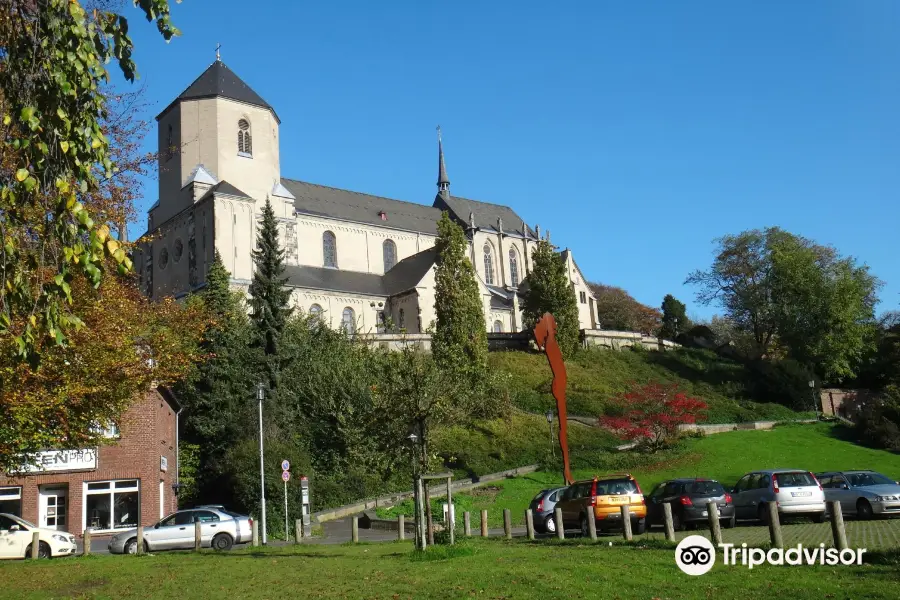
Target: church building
(357, 260)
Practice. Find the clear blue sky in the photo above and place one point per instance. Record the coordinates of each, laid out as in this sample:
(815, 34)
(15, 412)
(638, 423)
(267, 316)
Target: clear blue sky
(636, 132)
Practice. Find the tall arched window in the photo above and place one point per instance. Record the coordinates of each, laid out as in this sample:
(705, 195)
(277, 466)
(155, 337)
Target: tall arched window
(348, 321)
(401, 320)
(488, 265)
(315, 311)
(329, 250)
(498, 327)
(513, 267)
(245, 145)
(389, 250)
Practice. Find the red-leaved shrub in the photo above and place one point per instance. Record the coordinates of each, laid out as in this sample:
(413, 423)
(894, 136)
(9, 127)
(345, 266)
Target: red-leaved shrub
(652, 412)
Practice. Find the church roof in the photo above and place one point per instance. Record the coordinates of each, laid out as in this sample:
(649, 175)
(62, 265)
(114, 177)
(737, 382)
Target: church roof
(486, 214)
(218, 81)
(321, 200)
(407, 273)
(223, 187)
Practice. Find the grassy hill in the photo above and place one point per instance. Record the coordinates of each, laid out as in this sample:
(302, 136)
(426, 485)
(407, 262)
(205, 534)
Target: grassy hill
(595, 376)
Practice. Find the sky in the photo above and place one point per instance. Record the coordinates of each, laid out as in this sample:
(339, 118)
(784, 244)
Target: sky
(636, 132)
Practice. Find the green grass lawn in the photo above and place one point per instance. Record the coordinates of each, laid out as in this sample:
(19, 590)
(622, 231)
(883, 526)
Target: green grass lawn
(724, 456)
(477, 569)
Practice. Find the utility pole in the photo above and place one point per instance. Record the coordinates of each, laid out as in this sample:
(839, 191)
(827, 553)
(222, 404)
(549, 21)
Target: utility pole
(260, 395)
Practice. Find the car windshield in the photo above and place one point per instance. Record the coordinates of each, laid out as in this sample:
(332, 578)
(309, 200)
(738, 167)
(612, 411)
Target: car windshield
(704, 488)
(615, 487)
(22, 521)
(798, 479)
(866, 479)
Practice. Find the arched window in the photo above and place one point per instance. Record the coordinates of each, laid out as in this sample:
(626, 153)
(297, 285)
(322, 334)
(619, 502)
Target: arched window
(315, 311)
(245, 146)
(488, 265)
(389, 250)
(348, 321)
(329, 250)
(498, 327)
(513, 267)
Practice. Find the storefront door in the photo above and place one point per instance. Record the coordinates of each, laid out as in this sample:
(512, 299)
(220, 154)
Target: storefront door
(53, 506)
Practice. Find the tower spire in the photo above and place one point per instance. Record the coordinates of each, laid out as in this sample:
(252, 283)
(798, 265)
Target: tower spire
(443, 181)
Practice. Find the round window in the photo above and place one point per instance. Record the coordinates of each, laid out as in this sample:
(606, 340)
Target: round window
(163, 258)
(179, 248)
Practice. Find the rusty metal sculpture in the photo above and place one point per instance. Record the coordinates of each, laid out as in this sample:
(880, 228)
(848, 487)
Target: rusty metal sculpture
(545, 336)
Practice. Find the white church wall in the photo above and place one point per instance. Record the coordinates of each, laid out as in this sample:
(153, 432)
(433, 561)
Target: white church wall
(334, 303)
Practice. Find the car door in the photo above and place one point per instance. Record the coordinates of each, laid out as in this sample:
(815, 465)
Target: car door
(671, 496)
(743, 497)
(843, 493)
(10, 539)
(654, 505)
(210, 525)
(175, 531)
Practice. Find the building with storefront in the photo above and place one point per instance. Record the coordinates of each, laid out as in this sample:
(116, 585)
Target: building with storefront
(104, 488)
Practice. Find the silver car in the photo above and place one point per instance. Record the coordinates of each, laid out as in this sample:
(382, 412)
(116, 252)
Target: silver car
(219, 529)
(796, 491)
(542, 507)
(862, 493)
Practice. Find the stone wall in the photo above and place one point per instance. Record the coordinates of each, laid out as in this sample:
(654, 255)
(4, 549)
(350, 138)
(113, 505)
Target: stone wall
(844, 403)
(616, 340)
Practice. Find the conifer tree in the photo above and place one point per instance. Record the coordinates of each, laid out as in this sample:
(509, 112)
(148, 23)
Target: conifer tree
(550, 291)
(674, 320)
(460, 337)
(269, 301)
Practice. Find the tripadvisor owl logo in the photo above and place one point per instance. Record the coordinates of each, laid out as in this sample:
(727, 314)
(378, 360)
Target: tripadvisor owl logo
(695, 555)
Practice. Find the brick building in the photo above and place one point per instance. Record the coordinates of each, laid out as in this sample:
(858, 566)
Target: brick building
(104, 488)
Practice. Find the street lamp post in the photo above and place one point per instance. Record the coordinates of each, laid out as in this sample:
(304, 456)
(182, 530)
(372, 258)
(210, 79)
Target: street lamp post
(550, 426)
(260, 395)
(417, 494)
(812, 388)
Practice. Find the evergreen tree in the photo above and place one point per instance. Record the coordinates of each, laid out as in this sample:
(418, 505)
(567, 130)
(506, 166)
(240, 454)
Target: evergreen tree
(550, 291)
(674, 320)
(269, 296)
(460, 337)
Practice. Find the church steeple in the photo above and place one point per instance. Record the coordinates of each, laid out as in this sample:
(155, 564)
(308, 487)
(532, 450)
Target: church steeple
(443, 181)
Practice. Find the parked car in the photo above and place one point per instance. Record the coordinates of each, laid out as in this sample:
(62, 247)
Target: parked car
(17, 535)
(797, 492)
(602, 498)
(688, 499)
(219, 529)
(862, 493)
(543, 506)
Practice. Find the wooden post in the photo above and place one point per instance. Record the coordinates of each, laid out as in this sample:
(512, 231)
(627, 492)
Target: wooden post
(529, 523)
(775, 526)
(35, 544)
(354, 532)
(667, 522)
(401, 527)
(87, 542)
(450, 515)
(298, 530)
(837, 525)
(198, 539)
(467, 523)
(507, 524)
(592, 526)
(715, 529)
(560, 528)
(626, 523)
(255, 530)
(140, 540)
(484, 527)
(428, 515)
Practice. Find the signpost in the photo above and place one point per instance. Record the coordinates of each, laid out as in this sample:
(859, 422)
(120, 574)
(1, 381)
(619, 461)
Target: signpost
(285, 477)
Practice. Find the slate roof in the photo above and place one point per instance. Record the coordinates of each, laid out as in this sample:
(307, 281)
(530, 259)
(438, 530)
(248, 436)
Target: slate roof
(485, 214)
(218, 81)
(321, 200)
(223, 187)
(409, 271)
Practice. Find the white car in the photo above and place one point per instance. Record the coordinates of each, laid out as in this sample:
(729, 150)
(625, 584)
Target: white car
(16, 536)
(796, 491)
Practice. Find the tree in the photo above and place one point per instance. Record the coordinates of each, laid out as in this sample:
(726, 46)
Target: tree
(459, 341)
(550, 291)
(53, 102)
(269, 298)
(674, 319)
(652, 412)
(618, 310)
(780, 288)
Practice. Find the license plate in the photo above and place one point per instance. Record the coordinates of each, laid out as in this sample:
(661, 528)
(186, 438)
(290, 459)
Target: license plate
(800, 494)
(616, 499)
(718, 513)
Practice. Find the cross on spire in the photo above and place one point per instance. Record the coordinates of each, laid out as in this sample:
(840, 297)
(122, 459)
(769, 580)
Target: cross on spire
(218, 55)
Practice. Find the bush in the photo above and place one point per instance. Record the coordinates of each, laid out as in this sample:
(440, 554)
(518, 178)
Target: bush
(878, 423)
(783, 381)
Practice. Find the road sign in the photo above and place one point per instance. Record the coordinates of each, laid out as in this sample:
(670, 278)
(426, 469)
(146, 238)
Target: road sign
(285, 476)
(285, 465)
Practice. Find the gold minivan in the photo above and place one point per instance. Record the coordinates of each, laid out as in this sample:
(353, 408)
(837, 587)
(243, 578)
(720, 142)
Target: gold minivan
(603, 497)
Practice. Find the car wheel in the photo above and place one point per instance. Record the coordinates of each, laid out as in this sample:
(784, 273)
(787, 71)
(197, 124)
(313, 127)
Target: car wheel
(762, 514)
(640, 526)
(864, 510)
(677, 523)
(131, 546)
(818, 517)
(223, 542)
(550, 524)
(730, 523)
(583, 522)
(43, 550)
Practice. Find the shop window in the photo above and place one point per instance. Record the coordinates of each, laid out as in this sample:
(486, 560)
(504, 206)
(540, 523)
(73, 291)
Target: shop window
(111, 504)
(11, 500)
